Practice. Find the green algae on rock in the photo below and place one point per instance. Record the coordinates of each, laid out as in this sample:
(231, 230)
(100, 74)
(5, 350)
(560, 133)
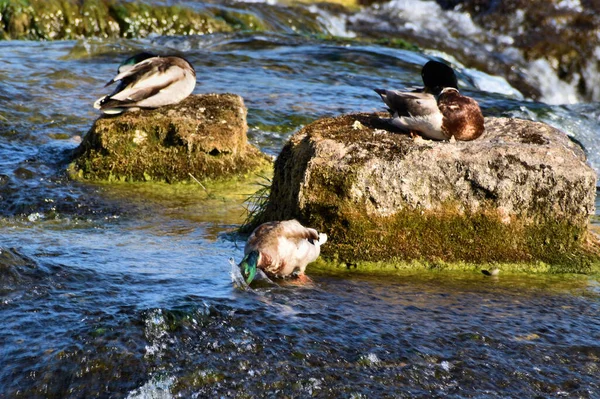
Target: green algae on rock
(204, 136)
(522, 193)
(70, 19)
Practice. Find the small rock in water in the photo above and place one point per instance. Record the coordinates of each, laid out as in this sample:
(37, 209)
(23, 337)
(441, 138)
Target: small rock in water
(204, 135)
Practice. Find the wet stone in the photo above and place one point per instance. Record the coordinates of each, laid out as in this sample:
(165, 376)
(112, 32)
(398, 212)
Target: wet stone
(204, 136)
(521, 193)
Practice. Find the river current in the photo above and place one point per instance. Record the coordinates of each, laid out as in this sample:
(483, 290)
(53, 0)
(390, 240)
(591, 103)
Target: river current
(124, 291)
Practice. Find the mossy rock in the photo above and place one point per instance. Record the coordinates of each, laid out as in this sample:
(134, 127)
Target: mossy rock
(204, 136)
(522, 193)
(73, 19)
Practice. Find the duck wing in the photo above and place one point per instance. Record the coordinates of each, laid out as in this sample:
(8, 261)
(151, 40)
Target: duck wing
(130, 98)
(144, 80)
(148, 76)
(153, 69)
(268, 234)
(409, 103)
(294, 231)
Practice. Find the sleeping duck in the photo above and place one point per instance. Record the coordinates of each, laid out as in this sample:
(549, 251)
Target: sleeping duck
(148, 81)
(281, 249)
(437, 111)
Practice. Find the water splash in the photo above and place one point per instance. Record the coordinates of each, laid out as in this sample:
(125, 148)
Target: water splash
(158, 387)
(236, 277)
(260, 279)
(456, 32)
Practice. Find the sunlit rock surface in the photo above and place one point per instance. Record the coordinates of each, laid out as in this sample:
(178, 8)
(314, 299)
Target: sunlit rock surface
(520, 193)
(204, 136)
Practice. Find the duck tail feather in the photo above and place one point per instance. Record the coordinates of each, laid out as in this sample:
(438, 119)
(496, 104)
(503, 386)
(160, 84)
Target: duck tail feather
(322, 238)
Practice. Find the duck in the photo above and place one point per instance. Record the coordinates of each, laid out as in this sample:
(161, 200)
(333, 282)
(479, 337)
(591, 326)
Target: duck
(281, 249)
(146, 80)
(438, 111)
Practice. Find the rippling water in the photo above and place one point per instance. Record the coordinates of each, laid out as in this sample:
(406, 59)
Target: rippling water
(125, 291)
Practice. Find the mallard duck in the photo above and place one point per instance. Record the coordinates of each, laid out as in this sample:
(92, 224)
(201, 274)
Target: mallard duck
(438, 111)
(281, 249)
(148, 81)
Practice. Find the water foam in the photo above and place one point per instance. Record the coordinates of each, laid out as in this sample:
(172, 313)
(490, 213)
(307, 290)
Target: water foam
(335, 24)
(158, 387)
(456, 31)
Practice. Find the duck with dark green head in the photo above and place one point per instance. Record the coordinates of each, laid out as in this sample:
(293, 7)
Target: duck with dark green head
(146, 80)
(281, 249)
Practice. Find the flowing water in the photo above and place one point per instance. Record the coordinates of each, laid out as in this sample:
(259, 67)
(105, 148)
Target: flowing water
(125, 291)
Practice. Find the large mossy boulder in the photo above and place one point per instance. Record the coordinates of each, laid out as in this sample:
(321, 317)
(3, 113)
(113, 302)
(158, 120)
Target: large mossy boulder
(521, 193)
(76, 19)
(204, 136)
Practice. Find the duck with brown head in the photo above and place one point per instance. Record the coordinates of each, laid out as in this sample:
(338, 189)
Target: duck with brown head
(437, 111)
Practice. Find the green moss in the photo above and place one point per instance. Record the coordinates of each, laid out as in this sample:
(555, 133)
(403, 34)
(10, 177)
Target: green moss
(241, 20)
(452, 238)
(332, 265)
(15, 18)
(196, 380)
(70, 19)
(139, 20)
(203, 136)
(162, 168)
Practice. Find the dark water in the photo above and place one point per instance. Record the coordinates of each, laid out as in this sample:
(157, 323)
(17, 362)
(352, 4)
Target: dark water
(126, 291)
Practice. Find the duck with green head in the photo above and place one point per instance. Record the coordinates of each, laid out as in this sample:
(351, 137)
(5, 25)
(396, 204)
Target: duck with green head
(281, 249)
(148, 81)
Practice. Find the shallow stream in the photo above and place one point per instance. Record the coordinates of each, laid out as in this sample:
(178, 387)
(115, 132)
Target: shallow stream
(125, 291)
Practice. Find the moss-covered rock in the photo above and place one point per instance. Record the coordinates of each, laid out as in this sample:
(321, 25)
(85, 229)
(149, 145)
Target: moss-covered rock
(75, 19)
(72, 19)
(204, 136)
(520, 193)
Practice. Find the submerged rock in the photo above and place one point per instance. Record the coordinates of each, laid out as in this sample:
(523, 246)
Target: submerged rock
(203, 136)
(520, 193)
